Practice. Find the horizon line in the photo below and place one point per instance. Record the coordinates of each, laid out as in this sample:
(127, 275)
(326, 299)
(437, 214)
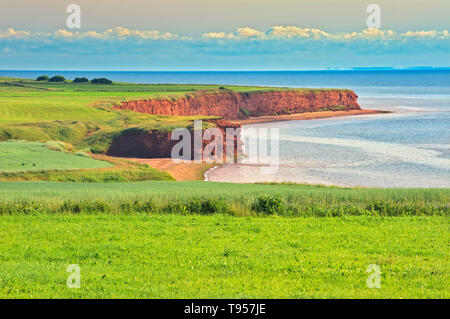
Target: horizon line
(242, 70)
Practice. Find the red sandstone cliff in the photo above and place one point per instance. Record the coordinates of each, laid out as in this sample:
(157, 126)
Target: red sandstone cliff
(233, 105)
(158, 144)
(227, 104)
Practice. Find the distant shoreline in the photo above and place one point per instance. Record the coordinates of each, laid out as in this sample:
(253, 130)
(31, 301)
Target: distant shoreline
(304, 116)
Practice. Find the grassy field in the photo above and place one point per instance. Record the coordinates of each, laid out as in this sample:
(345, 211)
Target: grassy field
(172, 256)
(198, 197)
(29, 156)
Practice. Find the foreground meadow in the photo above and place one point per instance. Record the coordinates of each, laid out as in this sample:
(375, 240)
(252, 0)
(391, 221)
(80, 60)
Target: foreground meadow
(217, 240)
(174, 256)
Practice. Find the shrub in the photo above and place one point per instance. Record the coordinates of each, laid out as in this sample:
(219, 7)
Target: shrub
(176, 208)
(206, 207)
(101, 81)
(89, 206)
(269, 205)
(214, 206)
(81, 80)
(42, 78)
(21, 206)
(58, 146)
(57, 78)
(139, 206)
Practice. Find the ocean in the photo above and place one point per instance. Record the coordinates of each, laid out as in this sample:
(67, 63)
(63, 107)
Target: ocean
(407, 148)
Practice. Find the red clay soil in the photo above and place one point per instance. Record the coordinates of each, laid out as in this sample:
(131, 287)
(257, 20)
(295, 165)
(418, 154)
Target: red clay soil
(158, 144)
(233, 105)
(230, 106)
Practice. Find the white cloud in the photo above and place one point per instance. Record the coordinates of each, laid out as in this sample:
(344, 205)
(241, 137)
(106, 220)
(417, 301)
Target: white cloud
(121, 32)
(64, 33)
(296, 32)
(279, 32)
(370, 33)
(430, 34)
(247, 32)
(114, 33)
(11, 33)
(214, 35)
(240, 33)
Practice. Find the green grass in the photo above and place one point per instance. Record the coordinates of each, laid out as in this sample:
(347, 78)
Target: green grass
(34, 161)
(239, 200)
(28, 156)
(155, 256)
(131, 172)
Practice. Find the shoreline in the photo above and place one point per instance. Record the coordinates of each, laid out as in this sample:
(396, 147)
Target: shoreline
(296, 117)
(304, 116)
(200, 171)
(180, 171)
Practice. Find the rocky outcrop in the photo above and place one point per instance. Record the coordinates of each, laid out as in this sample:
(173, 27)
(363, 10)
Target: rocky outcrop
(234, 105)
(158, 144)
(229, 105)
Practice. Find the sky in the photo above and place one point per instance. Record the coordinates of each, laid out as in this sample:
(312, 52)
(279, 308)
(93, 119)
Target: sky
(223, 35)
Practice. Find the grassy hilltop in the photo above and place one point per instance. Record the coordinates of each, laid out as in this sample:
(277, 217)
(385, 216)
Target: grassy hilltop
(135, 232)
(82, 113)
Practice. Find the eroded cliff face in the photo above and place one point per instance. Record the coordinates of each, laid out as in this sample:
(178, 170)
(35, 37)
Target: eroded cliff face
(227, 104)
(159, 144)
(232, 105)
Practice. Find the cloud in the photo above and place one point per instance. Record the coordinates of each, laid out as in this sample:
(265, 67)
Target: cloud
(432, 34)
(241, 33)
(249, 32)
(274, 33)
(286, 42)
(62, 33)
(296, 32)
(215, 35)
(11, 33)
(368, 34)
(120, 32)
(115, 33)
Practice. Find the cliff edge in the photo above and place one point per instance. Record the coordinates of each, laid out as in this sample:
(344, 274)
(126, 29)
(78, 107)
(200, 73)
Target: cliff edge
(227, 104)
(232, 105)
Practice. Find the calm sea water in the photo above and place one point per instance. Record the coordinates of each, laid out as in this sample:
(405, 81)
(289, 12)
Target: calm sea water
(407, 148)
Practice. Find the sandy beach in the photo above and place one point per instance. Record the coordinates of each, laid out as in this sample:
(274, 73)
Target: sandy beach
(305, 116)
(179, 171)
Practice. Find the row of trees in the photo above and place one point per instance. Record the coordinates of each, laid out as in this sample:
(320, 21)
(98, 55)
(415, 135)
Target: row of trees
(60, 78)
